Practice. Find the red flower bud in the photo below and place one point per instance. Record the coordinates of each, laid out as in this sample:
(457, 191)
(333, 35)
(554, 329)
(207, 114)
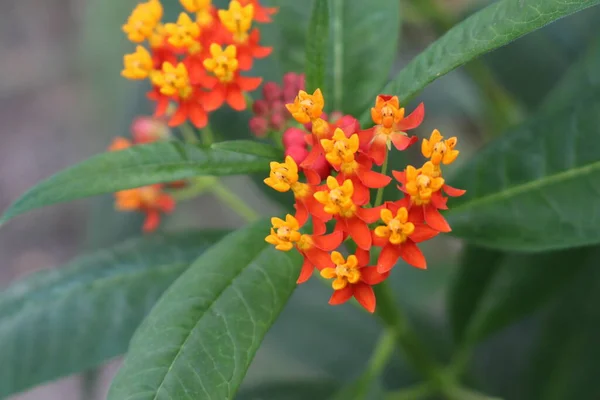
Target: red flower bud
(294, 137)
(271, 92)
(277, 122)
(297, 153)
(149, 129)
(260, 107)
(259, 126)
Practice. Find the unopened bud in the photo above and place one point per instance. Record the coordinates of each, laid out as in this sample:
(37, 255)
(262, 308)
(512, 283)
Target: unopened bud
(271, 92)
(277, 122)
(260, 107)
(149, 129)
(298, 153)
(294, 137)
(259, 126)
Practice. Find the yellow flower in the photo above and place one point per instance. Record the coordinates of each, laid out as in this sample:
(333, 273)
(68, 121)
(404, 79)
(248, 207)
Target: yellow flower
(137, 65)
(173, 80)
(223, 62)
(345, 271)
(439, 150)
(142, 21)
(307, 107)
(184, 33)
(396, 229)
(237, 20)
(284, 233)
(283, 175)
(338, 199)
(340, 149)
(423, 182)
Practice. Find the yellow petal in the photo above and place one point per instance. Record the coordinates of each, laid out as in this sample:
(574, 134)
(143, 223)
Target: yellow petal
(402, 214)
(352, 261)
(337, 258)
(382, 231)
(386, 215)
(332, 183)
(277, 222)
(328, 273)
(339, 284)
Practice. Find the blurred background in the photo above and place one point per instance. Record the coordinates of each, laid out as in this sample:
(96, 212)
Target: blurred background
(62, 100)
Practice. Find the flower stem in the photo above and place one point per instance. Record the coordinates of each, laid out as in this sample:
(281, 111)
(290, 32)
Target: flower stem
(379, 196)
(234, 202)
(207, 135)
(414, 351)
(188, 133)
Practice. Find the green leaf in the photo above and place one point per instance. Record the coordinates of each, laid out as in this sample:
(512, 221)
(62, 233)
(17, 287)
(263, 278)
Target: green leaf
(534, 188)
(250, 147)
(134, 167)
(564, 364)
(316, 46)
(493, 27)
(477, 269)
(522, 285)
(364, 40)
(200, 338)
(58, 322)
(292, 390)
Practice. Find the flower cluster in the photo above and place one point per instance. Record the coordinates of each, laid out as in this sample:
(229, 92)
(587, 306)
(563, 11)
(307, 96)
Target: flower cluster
(153, 200)
(344, 196)
(195, 63)
(270, 114)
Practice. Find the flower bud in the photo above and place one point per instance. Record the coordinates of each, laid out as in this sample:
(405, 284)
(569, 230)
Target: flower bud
(260, 107)
(271, 92)
(277, 122)
(149, 129)
(259, 126)
(294, 137)
(298, 153)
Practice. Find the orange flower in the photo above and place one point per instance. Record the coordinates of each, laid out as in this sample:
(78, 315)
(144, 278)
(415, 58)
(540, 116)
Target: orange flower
(399, 235)
(439, 151)
(173, 82)
(390, 127)
(308, 108)
(226, 85)
(148, 199)
(338, 202)
(352, 277)
(261, 14)
(119, 143)
(142, 21)
(137, 65)
(285, 235)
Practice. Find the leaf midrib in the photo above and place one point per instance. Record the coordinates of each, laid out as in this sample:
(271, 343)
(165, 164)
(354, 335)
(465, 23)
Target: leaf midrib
(227, 286)
(531, 185)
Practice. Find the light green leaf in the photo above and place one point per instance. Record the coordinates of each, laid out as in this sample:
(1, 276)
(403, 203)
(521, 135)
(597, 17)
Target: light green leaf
(58, 322)
(522, 285)
(316, 46)
(134, 167)
(250, 147)
(200, 338)
(477, 269)
(536, 187)
(493, 27)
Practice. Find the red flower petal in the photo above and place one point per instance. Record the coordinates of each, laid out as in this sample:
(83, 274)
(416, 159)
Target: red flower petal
(372, 179)
(362, 194)
(152, 221)
(371, 276)
(400, 176)
(319, 258)
(215, 98)
(378, 150)
(301, 212)
(179, 116)
(235, 98)
(412, 255)
(165, 203)
(365, 296)
(312, 177)
(388, 257)
(413, 120)
(198, 116)
(319, 227)
(248, 84)
(402, 142)
(378, 241)
(364, 138)
(434, 219)
(341, 296)
(363, 256)
(453, 192)
(369, 215)
(316, 209)
(328, 242)
(261, 52)
(315, 152)
(422, 233)
(359, 231)
(305, 272)
(244, 59)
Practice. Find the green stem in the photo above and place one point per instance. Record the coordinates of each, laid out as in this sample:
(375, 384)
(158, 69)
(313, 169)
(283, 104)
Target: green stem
(188, 133)
(379, 196)
(208, 137)
(414, 351)
(234, 202)
(338, 54)
(420, 391)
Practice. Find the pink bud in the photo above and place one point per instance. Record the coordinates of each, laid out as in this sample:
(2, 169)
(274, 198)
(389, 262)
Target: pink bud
(301, 83)
(289, 94)
(322, 167)
(271, 92)
(298, 153)
(149, 129)
(294, 137)
(277, 122)
(260, 107)
(259, 126)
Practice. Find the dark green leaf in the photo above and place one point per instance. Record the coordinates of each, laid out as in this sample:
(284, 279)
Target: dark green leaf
(493, 27)
(58, 322)
(565, 361)
(316, 46)
(134, 167)
(536, 187)
(477, 268)
(250, 147)
(522, 285)
(203, 333)
(292, 390)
